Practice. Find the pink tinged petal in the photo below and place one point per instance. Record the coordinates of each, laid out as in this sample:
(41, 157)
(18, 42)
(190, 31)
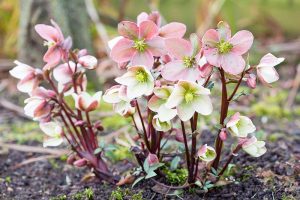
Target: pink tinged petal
(123, 50)
(185, 111)
(178, 47)
(251, 81)
(52, 142)
(114, 41)
(166, 114)
(172, 71)
(155, 17)
(52, 57)
(47, 32)
(267, 75)
(210, 38)
(63, 74)
(202, 104)
(128, 30)
(224, 31)
(28, 84)
(60, 34)
(142, 17)
(202, 150)
(242, 42)
(112, 94)
(143, 58)
(155, 103)
(156, 46)
(148, 30)
(172, 30)
(269, 60)
(233, 120)
(232, 63)
(212, 57)
(21, 70)
(89, 62)
(42, 110)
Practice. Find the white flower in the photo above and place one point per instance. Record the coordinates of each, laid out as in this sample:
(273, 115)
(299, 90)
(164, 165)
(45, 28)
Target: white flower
(138, 80)
(159, 125)
(53, 130)
(265, 69)
(117, 96)
(254, 147)
(86, 102)
(189, 97)
(157, 103)
(206, 153)
(240, 126)
(29, 77)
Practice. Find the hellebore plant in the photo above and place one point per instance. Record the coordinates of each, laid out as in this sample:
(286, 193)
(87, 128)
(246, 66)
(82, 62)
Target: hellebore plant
(64, 75)
(165, 90)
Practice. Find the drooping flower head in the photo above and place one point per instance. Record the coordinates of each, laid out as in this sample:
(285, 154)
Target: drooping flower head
(186, 65)
(253, 147)
(161, 125)
(206, 153)
(265, 69)
(58, 46)
(224, 51)
(139, 43)
(117, 95)
(188, 98)
(139, 81)
(53, 130)
(38, 105)
(85, 102)
(240, 126)
(29, 76)
(157, 103)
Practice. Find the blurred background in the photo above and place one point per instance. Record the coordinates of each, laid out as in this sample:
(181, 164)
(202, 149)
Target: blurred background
(91, 23)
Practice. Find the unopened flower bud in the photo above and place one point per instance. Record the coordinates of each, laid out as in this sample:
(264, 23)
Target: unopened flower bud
(71, 159)
(98, 126)
(223, 134)
(80, 163)
(82, 52)
(89, 62)
(152, 159)
(251, 81)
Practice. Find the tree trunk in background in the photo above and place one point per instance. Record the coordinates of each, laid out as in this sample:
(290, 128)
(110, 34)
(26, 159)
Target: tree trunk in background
(70, 15)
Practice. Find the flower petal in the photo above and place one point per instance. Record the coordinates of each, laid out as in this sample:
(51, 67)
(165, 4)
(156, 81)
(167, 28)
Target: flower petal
(155, 102)
(242, 42)
(52, 142)
(128, 30)
(148, 30)
(143, 58)
(172, 30)
(178, 47)
(185, 111)
(156, 46)
(166, 114)
(269, 60)
(123, 50)
(210, 38)
(203, 105)
(232, 63)
(267, 74)
(47, 32)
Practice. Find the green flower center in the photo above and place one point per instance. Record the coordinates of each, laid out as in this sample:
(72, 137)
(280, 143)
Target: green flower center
(224, 47)
(141, 76)
(49, 43)
(189, 96)
(188, 61)
(140, 45)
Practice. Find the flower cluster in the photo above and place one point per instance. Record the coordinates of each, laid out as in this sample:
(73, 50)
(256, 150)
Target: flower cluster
(165, 89)
(64, 74)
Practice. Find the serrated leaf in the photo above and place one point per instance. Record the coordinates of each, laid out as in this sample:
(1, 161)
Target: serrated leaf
(174, 163)
(137, 181)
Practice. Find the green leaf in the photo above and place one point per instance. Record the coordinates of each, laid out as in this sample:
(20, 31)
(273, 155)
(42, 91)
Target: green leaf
(146, 165)
(110, 147)
(150, 174)
(137, 181)
(214, 171)
(97, 151)
(198, 183)
(156, 166)
(174, 163)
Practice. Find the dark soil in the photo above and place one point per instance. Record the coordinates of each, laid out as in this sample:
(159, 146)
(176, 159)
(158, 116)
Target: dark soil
(273, 176)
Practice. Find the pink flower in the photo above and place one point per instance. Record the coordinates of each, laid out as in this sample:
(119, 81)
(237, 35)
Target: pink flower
(224, 51)
(29, 77)
(252, 146)
(38, 106)
(266, 71)
(251, 81)
(186, 65)
(58, 47)
(139, 44)
(88, 62)
(86, 102)
(171, 30)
